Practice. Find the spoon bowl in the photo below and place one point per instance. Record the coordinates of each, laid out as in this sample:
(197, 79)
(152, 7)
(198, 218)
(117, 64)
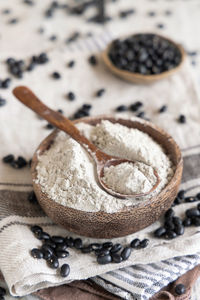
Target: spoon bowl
(137, 77)
(129, 219)
(114, 162)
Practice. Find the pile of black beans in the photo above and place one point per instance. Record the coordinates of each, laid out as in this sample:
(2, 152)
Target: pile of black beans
(147, 54)
(18, 163)
(56, 247)
(18, 67)
(2, 293)
(84, 111)
(174, 226)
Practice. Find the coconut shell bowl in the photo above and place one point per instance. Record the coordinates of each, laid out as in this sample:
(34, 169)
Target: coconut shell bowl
(128, 220)
(141, 78)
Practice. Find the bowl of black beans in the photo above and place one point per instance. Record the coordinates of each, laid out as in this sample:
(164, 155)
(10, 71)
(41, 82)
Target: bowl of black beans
(143, 58)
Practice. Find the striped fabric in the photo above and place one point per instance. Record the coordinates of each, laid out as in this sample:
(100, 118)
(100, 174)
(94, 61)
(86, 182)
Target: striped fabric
(140, 282)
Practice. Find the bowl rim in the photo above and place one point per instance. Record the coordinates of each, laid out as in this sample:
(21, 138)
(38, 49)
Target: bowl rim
(47, 142)
(138, 76)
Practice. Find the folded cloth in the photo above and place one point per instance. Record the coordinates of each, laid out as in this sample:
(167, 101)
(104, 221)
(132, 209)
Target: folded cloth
(87, 290)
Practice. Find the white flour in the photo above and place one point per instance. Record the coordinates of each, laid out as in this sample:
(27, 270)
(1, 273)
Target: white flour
(128, 178)
(67, 173)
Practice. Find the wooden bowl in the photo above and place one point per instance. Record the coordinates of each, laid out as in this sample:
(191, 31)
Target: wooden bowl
(139, 78)
(128, 220)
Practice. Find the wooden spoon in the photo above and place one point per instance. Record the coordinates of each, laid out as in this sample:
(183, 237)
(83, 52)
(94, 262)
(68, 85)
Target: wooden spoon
(103, 160)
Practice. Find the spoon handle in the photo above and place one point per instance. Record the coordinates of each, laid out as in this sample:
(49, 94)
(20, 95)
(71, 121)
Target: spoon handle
(28, 98)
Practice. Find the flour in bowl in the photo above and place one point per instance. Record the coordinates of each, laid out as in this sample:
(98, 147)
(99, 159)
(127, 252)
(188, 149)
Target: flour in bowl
(67, 173)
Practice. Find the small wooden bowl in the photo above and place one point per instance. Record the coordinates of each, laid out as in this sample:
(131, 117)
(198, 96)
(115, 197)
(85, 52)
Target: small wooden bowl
(139, 78)
(128, 220)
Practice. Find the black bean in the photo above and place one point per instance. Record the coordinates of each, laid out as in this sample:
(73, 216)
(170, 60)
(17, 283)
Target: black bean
(92, 60)
(6, 11)
(178, 201)
(180, 289)
(2, 291)
(135, 106)
(78, 244)
(191, 199)
(36, 253)
(6, 83)
(169, 225)
(49, 126)
(141, 114)
(71, 64)
(56, 75)
(159, 232)
(87, 249)
(107, 245)
(69, 241)
(182, 119)
(125, 13)
(64, 270)
(170, 235)
(61, 253)
(2, 102)
(13, 21)
(169, 213)
(144, 243)
(193, 212)
(187, 222)
(196, 221)
(100, 92)
(8, 158)
(29, 2)
(168, 12)
(43, 236)
(86, 106)
(179, 229)
(198, 196)
(32, 197)
(57, 239)
(163, 109)
(71, 96)
(102, 260)
(135, 243)
(126, 252)
(21, 162)
(50, 243)
(73, 37)
(53, 37)
(160, 25)
(177, 221)
(47, 248)
(121, 108)
(181, 194)
(151, 13)
(102, 251)
(36, 229)
(116, 257)
(46, 254)
(53, 262)
(115, 248)
(96, 246)
(61, 247)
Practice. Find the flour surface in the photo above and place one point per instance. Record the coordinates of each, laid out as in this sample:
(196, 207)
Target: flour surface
(129, 179)
(67, 173)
